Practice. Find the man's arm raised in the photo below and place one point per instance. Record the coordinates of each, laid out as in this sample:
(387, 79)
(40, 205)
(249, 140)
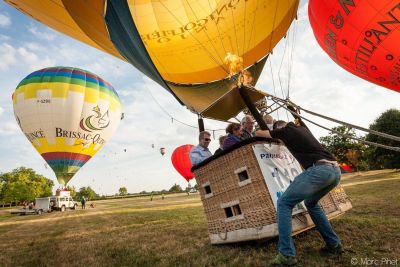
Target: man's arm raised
(263, 133)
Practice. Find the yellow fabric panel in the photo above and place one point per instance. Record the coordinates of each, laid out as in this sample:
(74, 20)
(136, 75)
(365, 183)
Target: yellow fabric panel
(89, 15)
(188, 40)
(61, 90)
(60, 145)
(85, 22)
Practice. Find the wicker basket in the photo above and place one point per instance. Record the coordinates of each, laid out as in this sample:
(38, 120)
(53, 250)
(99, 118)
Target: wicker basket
(239, 211)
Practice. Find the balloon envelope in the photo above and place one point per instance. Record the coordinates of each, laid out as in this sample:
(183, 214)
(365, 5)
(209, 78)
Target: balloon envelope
(68, 114)
(361, 36)
(181, 161)
(179, 44)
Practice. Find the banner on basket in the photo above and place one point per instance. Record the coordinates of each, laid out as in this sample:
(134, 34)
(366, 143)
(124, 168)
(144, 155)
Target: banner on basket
(279, 169)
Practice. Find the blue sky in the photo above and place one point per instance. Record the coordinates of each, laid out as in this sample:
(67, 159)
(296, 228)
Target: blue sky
(316, 83)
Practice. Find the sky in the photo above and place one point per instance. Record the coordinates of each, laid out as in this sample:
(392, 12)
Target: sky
(316, 83)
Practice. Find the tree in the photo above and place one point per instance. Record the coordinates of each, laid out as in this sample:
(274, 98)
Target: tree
(176, 189)
(72, 191)
(87, 192)
(24, 184)
(345, 149)
(197, 187)
(123, 191)
(380, 158)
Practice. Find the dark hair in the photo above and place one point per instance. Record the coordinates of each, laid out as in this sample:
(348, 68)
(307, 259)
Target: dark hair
(231, 127)
(221, 139)
(279, 124)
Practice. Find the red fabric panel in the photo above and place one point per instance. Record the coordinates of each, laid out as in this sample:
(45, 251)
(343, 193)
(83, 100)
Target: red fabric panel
(362, 36)
(65, 155)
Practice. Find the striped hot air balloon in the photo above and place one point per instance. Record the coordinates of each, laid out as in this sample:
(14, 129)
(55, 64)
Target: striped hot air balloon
(68, 114)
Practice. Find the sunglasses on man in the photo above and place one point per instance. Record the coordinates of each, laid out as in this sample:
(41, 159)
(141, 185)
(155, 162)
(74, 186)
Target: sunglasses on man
(207, 139)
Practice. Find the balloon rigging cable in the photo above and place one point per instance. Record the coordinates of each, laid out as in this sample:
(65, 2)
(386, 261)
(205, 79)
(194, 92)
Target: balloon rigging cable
(384, 135)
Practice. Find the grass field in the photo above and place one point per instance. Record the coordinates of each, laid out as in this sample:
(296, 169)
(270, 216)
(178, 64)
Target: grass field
(173, 232)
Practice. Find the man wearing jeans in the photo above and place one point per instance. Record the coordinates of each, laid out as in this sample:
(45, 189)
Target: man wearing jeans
(321, 174)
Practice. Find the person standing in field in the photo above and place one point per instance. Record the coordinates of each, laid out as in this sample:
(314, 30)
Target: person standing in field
(321, 174)
(83, 202)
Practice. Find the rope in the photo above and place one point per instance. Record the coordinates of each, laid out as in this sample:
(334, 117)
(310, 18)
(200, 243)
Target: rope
(174, 119)
(384, 135)
(388, 136)
(397, 149)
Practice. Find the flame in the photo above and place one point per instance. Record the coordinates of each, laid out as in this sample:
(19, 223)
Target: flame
(234, 62)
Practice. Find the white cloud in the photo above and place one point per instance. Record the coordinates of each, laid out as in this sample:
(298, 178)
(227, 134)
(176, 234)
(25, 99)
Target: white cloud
(34, 60)
(7, 56)
(9, 128)
(11, 57)
(4, 20)
(44, 35)
(1, 111)
(33, 46)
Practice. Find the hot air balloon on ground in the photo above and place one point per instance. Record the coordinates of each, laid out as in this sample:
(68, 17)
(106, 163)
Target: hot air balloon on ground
(194, 49)
(68, 114)
(362, 37)
(181, 161)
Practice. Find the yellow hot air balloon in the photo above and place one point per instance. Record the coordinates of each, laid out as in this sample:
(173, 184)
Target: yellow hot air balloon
(182, 45)
(68, 114)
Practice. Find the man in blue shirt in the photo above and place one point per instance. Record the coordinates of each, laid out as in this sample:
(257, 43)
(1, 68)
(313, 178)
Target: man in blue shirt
(200, 152)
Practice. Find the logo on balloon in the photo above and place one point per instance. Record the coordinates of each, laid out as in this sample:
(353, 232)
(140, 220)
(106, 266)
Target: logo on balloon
(96, 122)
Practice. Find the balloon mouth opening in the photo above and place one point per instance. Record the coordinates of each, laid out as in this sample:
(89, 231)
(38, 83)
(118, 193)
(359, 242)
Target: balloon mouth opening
(64, 178)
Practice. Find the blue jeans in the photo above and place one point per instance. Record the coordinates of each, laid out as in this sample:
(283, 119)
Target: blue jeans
(310, 186)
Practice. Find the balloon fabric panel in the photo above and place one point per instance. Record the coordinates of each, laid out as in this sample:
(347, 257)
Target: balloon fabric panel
(188, 40)
(360, 36)
(181, 161)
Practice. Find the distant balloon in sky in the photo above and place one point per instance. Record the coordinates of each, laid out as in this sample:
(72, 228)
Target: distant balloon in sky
(361, 36)
(181, 161)
(162, 151)
(68, 114)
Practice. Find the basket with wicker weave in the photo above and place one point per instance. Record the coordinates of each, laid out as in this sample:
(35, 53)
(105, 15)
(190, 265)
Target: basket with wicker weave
(242, 209)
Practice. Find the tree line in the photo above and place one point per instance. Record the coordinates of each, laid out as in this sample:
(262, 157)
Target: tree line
(24, 184)
(365, 157)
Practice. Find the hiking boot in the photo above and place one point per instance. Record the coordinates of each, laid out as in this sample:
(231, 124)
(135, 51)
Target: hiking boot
(330, 250)
(282, 260)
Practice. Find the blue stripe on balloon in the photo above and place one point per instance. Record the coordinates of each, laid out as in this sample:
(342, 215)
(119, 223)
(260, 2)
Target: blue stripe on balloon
(71, 75)
(65, 162)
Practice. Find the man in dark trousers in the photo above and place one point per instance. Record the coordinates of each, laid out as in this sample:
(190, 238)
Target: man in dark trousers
(321, 174)
(83, 202)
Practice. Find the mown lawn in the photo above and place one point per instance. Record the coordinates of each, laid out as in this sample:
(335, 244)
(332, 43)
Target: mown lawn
(173, 232)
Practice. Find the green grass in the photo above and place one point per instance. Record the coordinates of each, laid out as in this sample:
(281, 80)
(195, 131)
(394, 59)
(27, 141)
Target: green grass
(173, 232)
